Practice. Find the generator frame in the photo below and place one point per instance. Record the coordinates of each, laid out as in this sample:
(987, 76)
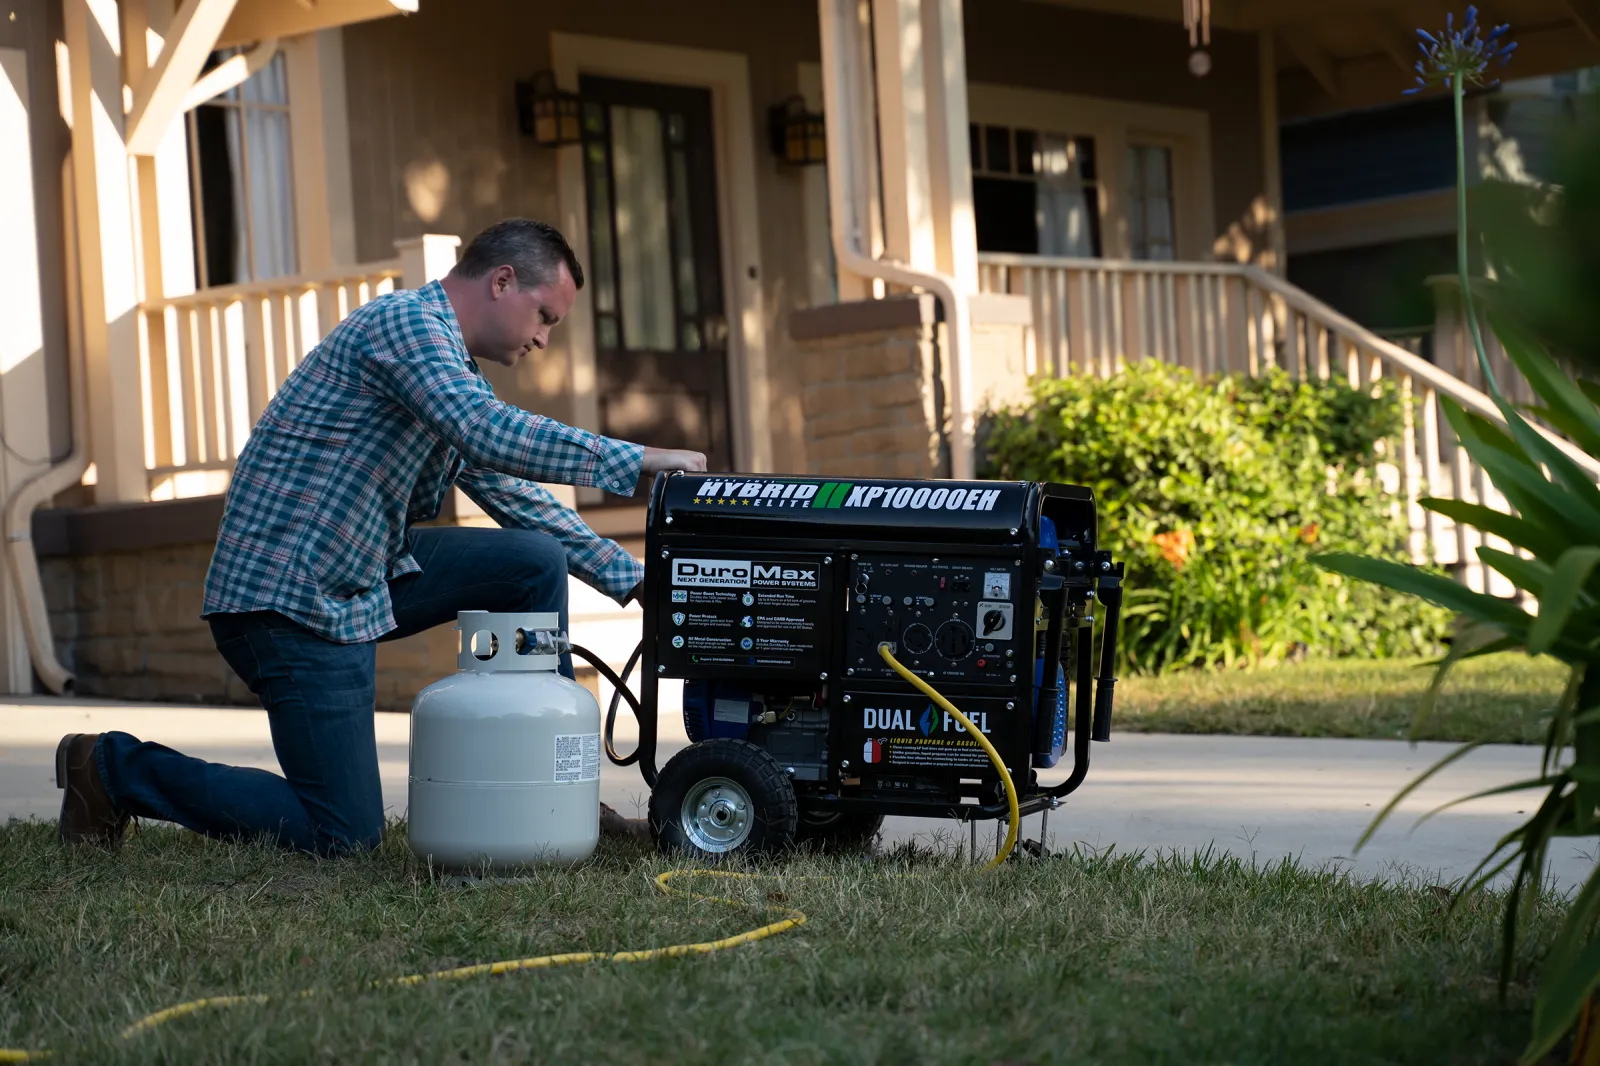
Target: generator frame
(1069, 580)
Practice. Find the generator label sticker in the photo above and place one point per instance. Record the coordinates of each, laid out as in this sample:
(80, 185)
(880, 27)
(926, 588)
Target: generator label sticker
(759, 614)
(731, 711)
(577, 757)
(892, 731)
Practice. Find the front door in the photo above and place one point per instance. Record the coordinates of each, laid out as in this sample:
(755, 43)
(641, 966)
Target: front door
(655, 266)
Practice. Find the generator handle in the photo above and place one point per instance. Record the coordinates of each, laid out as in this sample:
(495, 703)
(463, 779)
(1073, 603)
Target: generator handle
(1081, 718)
(1110, 593)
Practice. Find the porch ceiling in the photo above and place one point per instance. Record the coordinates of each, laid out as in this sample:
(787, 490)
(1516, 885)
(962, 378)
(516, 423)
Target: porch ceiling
(1359, 53)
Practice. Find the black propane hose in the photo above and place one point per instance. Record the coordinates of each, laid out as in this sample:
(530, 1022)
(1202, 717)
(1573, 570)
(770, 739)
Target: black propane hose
(620, 691)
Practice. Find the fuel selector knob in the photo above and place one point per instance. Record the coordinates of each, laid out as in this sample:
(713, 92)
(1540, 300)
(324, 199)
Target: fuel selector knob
(918, 639)
(955, 639)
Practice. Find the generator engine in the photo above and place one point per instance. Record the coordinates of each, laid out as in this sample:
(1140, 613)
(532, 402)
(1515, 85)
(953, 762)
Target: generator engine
(770, 598)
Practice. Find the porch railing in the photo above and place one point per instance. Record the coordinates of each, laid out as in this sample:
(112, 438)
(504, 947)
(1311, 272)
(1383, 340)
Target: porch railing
(1094, 316)
(212, 360)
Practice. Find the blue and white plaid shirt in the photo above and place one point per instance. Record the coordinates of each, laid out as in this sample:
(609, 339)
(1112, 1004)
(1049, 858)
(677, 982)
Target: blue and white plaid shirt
(363, 441)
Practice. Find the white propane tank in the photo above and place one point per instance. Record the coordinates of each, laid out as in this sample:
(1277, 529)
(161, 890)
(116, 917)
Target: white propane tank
(505, 753)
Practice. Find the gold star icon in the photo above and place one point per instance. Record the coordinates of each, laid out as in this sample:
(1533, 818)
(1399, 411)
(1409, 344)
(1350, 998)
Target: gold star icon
(745, 502)
(697, 499)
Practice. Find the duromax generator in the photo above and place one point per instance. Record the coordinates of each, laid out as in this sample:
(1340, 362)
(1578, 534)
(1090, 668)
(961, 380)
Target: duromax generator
(770, 597)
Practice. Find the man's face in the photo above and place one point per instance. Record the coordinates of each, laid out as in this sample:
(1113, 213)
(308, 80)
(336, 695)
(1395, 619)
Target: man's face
(520, 319)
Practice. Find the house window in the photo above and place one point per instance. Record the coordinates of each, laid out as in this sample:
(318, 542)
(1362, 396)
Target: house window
(241, 180)
(1150, 217)
(1034, 193)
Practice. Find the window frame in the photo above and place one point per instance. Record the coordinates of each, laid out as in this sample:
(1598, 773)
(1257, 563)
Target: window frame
(202, 265)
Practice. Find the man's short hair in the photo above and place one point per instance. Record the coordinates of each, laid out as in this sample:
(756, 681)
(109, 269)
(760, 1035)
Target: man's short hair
(532, 249)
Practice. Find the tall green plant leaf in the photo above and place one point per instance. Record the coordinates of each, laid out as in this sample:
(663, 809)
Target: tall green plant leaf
(1417, 782)
(1432, 587)
(1544, 542)
(1558, 390)
(1529, 575)
(1563, 990)
(1561, 594)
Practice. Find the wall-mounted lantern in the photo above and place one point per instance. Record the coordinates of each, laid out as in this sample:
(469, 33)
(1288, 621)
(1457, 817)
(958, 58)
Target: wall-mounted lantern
(798, 136)
(552, 116)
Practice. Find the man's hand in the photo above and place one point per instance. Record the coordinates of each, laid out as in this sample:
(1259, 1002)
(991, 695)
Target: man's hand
(658, 459)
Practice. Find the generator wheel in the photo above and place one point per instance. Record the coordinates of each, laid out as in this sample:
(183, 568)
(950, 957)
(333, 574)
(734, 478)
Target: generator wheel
(838, 831)
(723, 797)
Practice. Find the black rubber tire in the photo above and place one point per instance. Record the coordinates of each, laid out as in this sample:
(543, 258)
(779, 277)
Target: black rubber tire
(838, 831)
(775, 811)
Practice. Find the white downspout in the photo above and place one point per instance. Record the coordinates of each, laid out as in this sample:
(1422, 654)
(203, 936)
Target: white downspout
(839, 23)
(21, 559)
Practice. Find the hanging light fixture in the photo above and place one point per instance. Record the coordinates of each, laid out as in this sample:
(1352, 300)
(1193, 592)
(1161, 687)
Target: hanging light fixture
(798, 136)
(1197, 19)
(547, 112)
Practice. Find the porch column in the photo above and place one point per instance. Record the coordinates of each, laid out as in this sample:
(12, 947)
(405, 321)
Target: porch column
(105, 224)
(1271, 160)
(921, 95)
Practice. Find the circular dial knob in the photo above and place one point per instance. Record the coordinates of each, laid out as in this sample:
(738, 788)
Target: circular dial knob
(918, 639)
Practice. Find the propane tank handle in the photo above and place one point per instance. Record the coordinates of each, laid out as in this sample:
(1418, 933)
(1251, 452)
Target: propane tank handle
(520, 641)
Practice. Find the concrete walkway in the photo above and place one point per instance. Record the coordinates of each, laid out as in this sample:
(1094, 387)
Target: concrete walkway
(1252, 796)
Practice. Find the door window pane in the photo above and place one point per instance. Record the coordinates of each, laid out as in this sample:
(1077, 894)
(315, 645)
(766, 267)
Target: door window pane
(1151, 227)
(602, 246)
(644, 254)
(683, 238)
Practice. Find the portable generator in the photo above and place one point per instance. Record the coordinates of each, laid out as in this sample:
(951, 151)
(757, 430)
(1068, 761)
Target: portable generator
(770, 598)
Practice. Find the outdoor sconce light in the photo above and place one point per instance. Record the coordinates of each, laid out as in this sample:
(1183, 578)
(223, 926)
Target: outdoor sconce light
(551, 115)
(798, 136)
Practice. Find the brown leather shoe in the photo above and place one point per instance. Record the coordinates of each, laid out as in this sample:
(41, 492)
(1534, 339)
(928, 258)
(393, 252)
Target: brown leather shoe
(88, 815)
(617, 827)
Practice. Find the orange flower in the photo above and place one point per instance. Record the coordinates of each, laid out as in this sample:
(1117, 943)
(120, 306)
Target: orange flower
(1175, 546)
(1308, 533)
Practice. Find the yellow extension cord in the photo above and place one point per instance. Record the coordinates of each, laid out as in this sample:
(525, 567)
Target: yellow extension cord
(792, 919)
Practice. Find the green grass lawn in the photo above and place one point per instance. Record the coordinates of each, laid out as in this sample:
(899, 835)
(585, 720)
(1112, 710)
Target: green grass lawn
(908, 958)
(1503, 698)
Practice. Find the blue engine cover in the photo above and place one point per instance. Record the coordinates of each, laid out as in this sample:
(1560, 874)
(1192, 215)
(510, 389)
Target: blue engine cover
(716, 709)
(1058, 728)
(1051, 545)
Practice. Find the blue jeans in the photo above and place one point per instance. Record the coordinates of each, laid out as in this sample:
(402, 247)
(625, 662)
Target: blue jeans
(319, 699)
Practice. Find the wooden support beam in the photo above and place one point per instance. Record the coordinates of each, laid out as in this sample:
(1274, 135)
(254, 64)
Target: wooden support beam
(1586, 13)
(1304, 47)
(258, 20)
(158, 98)
(1399, 47)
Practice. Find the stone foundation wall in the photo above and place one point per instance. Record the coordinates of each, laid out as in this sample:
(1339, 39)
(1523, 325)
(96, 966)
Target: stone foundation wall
(128, 624)
(872, 405)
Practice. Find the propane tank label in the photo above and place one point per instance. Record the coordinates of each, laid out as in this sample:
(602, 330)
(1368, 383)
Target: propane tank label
(577, 757)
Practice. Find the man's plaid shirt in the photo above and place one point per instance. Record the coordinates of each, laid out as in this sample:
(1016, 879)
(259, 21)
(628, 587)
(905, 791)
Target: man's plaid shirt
(363, 441)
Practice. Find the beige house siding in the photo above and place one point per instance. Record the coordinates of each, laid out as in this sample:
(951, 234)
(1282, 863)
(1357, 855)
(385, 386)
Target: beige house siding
(435, 145)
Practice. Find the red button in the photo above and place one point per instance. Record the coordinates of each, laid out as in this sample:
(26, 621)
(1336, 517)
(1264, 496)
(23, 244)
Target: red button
(980, 664)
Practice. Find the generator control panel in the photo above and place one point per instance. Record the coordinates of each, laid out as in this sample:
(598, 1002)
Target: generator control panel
(951, 619)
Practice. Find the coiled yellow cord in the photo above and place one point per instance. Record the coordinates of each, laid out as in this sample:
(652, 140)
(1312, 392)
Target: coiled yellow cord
(792, 918)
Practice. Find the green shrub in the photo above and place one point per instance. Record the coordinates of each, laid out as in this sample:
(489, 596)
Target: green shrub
(1216, 492)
